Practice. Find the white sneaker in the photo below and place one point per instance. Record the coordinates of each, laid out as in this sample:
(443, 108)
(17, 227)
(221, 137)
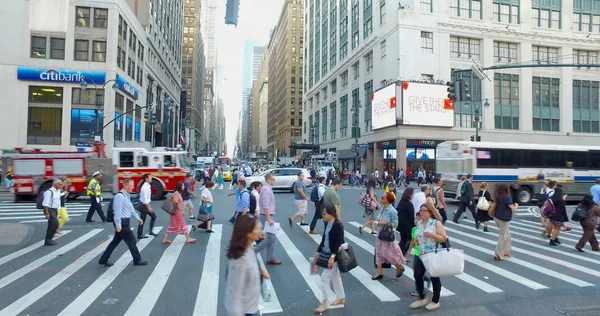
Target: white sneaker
(419, 303)
(431, 306)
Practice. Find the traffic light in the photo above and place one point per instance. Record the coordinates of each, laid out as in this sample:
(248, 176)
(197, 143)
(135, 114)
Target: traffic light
(475, 138)
(472, 138)
(464, 92)
(451, 90)
(145, 116)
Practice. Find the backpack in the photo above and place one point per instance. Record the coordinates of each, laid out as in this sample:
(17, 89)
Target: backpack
(547, 210)
(110, 211)
(252, 209)
(39, 200)
(314, 195)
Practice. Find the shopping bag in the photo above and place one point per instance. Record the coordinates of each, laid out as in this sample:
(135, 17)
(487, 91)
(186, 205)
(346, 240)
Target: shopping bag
(444, 262)
(346, 259)
(266, 290)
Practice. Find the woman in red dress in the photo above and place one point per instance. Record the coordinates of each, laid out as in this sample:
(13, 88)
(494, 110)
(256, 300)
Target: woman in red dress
(177, 223)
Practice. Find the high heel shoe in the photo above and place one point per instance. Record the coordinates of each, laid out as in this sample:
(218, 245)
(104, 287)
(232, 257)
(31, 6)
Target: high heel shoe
(399, 274)
(379, 277)
(360, 230)
(498, 258)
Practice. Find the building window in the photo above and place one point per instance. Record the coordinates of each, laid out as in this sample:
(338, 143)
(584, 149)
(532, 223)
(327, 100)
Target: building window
(356, 70)
(368, 27)
(38, 47)
(343, 113)
(381, 12)
(333, 86)
(586, 17)
(546, 14)
(46, 95)
(345, 79)
(57, 48)
(82, 50)
(44, 126)
(506, 101)
(464, 111)
(369, 62)
(99, 51)
(505, 53)
(465, 48)
(332, 120)
(82, 16)
(355, 39)
(427, 42)
(87, 96)
(426, 6)
(367, 102)
(546, 104)
(585, 106)
(100, 18)
(383, 48)
(585, 57)
(466, 9)
(506, 11)
(544, 55)
(324, 123)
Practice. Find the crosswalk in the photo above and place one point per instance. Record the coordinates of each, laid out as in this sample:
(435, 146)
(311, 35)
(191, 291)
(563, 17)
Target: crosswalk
(28, 213)
(188, 279)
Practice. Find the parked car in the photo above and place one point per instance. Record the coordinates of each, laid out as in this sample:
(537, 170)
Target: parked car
(284, 177)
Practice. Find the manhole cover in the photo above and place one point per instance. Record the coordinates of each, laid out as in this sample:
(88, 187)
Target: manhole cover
(580, 311)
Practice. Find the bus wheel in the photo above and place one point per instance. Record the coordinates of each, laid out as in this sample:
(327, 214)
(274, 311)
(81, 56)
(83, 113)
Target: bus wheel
(157, 190)
(524, 195)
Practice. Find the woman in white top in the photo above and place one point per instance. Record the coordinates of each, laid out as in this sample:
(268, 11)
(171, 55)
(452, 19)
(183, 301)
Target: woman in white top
(205, 214)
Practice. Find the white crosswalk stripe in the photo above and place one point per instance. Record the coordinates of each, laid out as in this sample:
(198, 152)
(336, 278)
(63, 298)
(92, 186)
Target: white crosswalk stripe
(28, 213)
(535, 266)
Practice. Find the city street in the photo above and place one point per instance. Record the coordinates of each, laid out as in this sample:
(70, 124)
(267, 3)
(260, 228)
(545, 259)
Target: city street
(189, 279)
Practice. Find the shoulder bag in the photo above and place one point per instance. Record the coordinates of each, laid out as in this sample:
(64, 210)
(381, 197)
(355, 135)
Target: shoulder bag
(483, 204)
(169, 206)
(387, 232)
(444, 262)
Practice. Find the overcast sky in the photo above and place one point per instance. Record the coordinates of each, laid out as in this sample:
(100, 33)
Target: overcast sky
(256, 17)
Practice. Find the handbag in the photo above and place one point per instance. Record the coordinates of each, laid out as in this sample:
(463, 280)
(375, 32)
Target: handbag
(444, 262)
(579, 215)
(365, 200)
(266, 290)
(482, 203)
(492, 211)
(168, 206)
(386, 234)
(346, 259)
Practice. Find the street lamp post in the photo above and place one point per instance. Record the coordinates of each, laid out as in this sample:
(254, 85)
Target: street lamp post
(477, 116)
(99, 104)
(356, 131)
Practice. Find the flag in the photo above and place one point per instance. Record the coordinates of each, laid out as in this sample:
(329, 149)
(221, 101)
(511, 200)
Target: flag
(448, 104)
(483, 154)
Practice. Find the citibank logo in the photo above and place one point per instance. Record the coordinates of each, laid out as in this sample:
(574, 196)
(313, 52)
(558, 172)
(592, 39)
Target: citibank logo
(55, 75)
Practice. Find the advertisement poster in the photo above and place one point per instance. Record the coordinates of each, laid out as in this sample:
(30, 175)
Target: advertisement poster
(137, 132)
(83, 125)
(423, 104)
(128, 128)
(383, 108)
(118, 126)
(420, 153)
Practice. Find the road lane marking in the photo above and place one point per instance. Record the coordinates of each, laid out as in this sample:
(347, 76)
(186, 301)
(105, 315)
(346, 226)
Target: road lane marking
(28, 249)
(207, 299)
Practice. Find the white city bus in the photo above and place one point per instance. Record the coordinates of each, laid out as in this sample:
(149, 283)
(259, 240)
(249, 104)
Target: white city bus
(524, 167)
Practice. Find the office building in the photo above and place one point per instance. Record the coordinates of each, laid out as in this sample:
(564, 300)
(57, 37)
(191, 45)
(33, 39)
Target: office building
(86, 74)
(193, 75)
(208, 32)
(374, 43)
(259, 112)
(285, 80)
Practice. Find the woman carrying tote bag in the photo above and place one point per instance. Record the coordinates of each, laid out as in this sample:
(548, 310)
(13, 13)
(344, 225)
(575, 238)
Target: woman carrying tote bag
(430, 232)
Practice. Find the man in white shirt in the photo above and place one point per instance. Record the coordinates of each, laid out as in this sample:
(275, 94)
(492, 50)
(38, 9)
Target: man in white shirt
(145, 208)
(320, 192)
(51, 204)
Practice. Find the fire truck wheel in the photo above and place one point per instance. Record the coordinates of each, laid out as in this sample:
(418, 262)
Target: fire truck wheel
(157, 190)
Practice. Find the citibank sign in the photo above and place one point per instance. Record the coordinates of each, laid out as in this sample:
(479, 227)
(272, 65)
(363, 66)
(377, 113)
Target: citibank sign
(60, 75)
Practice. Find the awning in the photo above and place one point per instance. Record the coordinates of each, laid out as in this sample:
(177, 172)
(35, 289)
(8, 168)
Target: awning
(348, 154)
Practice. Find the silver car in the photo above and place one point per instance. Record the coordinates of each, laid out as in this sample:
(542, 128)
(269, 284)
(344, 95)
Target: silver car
(284, 178)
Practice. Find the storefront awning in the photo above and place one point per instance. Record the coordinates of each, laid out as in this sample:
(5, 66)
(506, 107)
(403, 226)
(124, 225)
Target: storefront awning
(348, 154)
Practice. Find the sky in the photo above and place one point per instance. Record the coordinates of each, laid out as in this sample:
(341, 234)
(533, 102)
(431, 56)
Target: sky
(256, 18)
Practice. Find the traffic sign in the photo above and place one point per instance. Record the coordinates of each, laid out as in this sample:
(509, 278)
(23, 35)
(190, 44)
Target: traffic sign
(363, 145)
(83, 144)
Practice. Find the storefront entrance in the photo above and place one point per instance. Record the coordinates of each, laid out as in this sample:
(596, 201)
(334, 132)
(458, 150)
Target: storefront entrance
(421, 154)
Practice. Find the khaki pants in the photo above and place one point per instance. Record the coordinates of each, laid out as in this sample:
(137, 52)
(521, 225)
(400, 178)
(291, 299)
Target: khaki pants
(504, 242)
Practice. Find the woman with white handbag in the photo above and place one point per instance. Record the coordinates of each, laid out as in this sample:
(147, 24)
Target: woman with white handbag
(484, 200)
(430, 232)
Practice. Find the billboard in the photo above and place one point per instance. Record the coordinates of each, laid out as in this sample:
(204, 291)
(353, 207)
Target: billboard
(383, 107)
(423, 104)
(60, 75)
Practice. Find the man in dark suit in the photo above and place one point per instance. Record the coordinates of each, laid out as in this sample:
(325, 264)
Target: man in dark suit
(467, 198)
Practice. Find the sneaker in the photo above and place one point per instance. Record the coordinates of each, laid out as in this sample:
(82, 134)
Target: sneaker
(415, 293)
(431, 306)
(419, 303)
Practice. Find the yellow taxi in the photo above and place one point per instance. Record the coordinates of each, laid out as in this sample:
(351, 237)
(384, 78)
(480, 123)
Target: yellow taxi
(227, 173)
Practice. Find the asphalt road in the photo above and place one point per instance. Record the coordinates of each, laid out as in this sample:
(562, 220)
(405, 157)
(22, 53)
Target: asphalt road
(188, 279)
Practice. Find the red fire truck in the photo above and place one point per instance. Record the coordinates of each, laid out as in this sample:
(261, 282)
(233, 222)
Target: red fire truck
(34, 170)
